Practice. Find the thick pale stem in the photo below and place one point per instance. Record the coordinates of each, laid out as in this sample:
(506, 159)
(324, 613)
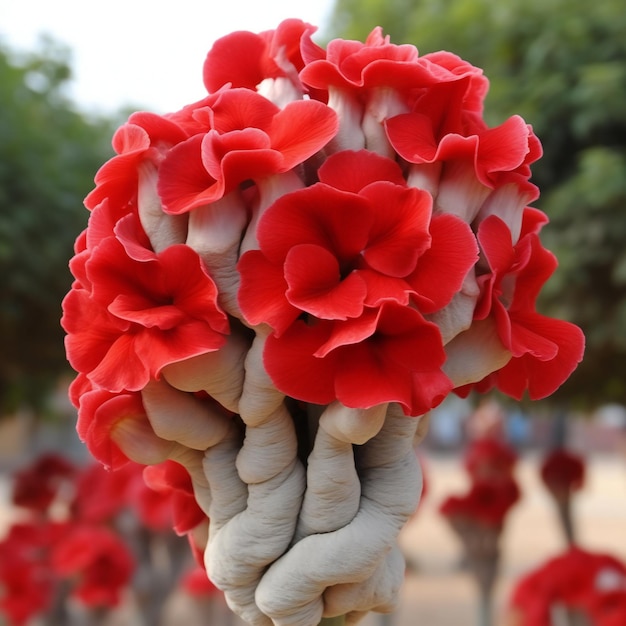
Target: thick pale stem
(163, 230)
(215, 232)
(270, 189)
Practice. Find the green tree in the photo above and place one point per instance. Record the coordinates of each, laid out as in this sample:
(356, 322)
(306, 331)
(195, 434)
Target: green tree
(561, 64)
(49, 153)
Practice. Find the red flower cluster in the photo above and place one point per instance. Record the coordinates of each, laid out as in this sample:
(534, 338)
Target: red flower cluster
(65, 535)
(593, 584)
(378, 226)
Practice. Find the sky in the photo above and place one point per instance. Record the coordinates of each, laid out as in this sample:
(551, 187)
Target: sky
(145, 54)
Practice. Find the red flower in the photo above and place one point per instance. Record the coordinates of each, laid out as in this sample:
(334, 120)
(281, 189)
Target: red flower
(563, 471)
(544, 351)
(37, 486)
(379, 63)
(112, 424)
(140, 315)
(98, 561)
(246, 59)
(27, 585)
(101, 493)
(145, 136)
(486, 503)
(387, 355)
(592, 583)
(490, 459)
(250, 139)
(172, 483)
(358, 238)
(374, 81)
(458, 158)
(357, 241)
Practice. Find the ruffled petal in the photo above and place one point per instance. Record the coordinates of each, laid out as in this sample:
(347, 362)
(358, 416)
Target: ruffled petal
(316, 286)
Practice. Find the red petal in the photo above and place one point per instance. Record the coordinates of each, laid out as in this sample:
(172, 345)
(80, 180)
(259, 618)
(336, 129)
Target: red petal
(91, 330)
(412, 136)
(541, 377)
(159, 128)
(294, 370)
(138, 309)
(239, 109)
(98, 414)
(301, 129)
(386, 366)
(503, 148)
(381, 288)
(184, 182)
(262, 293)
(234, 59)
(121, 368)
(349, 332)
(320, 215)
(350, 170)
(441, 270)
(531, 277)
(399, 234)
(494, 237)
(315, 284)
(156, 348)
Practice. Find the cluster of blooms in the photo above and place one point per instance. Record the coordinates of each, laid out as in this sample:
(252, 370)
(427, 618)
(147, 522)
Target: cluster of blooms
(337, 227)
(65, 541)
(364, 183)
(588, 584)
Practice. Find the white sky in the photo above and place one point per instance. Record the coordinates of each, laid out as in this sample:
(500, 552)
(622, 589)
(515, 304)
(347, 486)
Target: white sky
(143, 53)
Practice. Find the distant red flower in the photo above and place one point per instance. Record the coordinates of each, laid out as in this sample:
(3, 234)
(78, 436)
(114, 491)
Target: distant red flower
(563, 471)
(486, 503)
(27, 585)
(101, 493)
(489, 458)
(592, 583)
(99, 563)
(36, 486)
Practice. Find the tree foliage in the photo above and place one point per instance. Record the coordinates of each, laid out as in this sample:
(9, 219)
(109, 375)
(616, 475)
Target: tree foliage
(49, 153)
(561, 64)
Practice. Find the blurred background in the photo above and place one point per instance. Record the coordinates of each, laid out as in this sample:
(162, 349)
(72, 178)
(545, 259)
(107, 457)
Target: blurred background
(68, 79)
